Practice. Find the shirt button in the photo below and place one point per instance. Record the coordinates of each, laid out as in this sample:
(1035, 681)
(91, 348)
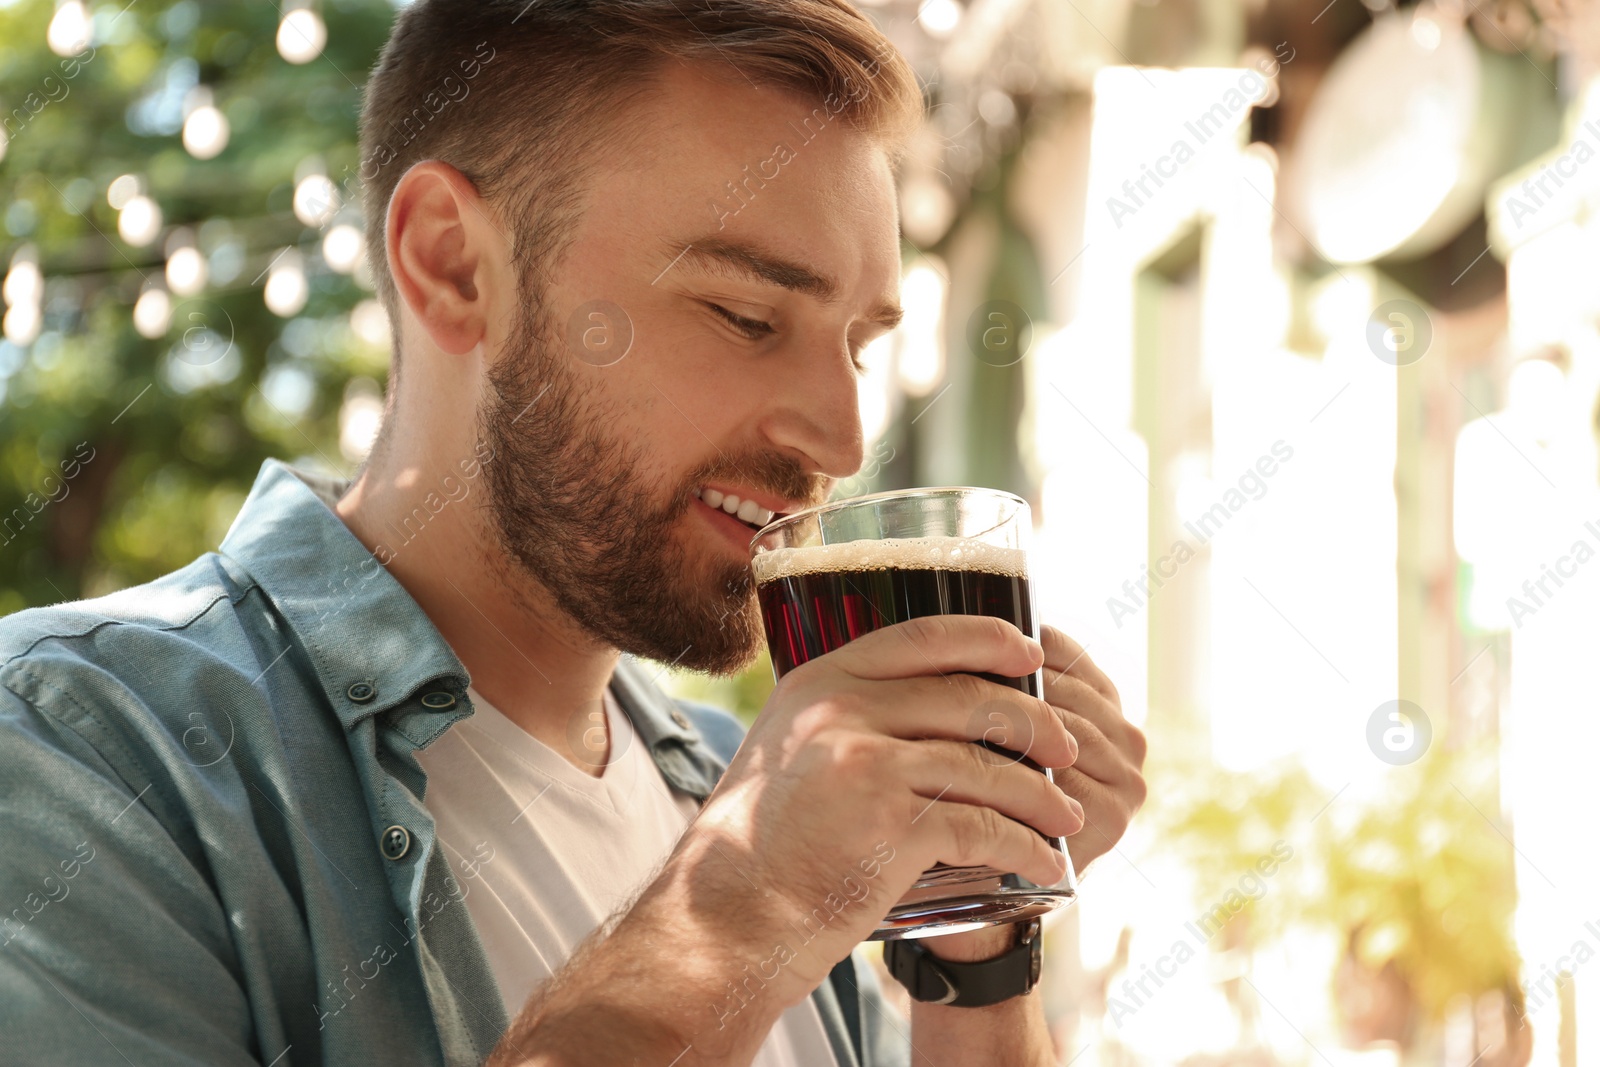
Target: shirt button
(680, 718)
(396, 842)
(438, 701)
(361, 692)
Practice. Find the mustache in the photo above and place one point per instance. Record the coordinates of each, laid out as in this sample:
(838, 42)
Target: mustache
(768, 472)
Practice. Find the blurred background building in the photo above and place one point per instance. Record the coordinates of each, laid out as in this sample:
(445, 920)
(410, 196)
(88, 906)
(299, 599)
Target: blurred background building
(1282, 315)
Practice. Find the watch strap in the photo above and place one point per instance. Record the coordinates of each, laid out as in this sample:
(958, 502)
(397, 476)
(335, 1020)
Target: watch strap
(967, 985)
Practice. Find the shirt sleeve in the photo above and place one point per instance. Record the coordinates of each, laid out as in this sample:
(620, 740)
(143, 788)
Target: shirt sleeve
(886, 1034)
(113, 947)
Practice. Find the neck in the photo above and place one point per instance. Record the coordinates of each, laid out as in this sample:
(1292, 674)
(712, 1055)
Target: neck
(424, 518)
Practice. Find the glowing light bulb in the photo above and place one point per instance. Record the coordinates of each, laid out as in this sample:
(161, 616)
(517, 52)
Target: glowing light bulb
(341, 247)
(301, 36)
(1425, 32)
(370, 322)
(22, 323)
(139, 222)
(315, 200)
(24, 283)
(70, 30)
(152, 313)
(187, 272)
(121, 190)
(205, 132)
(360, 417)
(939, 17)
(286, 289)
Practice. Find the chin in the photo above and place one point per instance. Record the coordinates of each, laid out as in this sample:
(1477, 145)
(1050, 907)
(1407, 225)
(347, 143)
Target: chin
(703, 616)
(730, 645)
(730, 668)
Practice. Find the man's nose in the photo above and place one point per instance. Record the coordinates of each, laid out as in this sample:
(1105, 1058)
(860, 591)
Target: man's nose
(816, 413)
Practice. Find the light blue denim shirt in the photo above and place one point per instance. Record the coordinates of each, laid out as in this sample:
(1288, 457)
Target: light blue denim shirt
(213, 846)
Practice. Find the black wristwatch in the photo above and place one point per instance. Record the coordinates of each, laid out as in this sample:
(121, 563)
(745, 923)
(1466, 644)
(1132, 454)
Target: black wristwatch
(967, 985)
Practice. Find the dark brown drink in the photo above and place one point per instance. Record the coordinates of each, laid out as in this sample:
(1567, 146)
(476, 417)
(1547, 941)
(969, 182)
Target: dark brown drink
(815, 599)
(831, 574)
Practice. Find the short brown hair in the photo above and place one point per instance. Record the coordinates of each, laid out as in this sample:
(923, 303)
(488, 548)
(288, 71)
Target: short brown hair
(547, 79)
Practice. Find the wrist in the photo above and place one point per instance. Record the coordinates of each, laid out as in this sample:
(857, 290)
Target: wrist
(974, 945)
(1010, 1029)
(981, 978)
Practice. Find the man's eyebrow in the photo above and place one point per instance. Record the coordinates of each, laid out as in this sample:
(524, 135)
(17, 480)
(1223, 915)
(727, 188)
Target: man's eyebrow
(739, 259)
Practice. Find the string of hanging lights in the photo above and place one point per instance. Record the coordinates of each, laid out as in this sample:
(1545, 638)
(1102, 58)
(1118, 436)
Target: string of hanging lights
(187, 269)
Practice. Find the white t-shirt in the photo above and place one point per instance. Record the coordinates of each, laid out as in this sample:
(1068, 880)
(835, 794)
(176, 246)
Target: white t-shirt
(557, 850)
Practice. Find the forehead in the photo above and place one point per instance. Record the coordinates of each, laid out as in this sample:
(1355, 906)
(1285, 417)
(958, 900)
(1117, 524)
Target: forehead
(710, 153)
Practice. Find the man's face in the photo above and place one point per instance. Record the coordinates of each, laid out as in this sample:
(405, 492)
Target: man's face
(700, 337)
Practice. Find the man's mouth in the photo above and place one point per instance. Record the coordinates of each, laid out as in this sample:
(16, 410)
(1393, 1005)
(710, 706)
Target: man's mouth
(746, 511)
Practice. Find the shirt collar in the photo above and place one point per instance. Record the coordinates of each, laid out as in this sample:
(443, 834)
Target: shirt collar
(355, 621)
(681, 754)
(359, 625)
(651, 711)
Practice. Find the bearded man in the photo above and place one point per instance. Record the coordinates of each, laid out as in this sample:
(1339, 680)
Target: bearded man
(382, 780)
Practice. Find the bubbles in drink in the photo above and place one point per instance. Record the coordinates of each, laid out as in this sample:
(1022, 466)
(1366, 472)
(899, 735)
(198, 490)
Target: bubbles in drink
(814, 598)
(903, 553)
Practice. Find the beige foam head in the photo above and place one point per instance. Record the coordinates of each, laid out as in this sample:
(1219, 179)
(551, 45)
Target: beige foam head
(899, 553)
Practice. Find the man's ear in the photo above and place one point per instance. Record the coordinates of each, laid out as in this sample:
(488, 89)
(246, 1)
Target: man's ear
(445, 254)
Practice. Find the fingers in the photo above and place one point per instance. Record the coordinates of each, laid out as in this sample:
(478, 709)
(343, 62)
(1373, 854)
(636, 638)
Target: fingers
(1064, 656)
(1073, 682)
(970, 774)
(1109, 747)
(1106, 776)
(1107, 814)
(1107, 809)
(964, 707)
(965, 835)
(938, 645)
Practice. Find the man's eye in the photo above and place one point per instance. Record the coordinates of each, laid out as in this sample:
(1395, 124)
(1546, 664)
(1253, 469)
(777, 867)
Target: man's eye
(751, 328)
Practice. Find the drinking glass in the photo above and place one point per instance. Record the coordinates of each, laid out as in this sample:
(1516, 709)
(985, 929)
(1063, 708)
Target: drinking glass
(829, 574)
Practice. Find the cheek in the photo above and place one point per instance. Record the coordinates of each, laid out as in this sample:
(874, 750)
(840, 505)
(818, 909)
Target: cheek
(692, 399)
(660, 428)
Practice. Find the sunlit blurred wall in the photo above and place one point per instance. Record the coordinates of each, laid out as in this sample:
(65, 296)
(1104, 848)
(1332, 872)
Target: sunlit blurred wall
(1530, 522)
(1296, 576)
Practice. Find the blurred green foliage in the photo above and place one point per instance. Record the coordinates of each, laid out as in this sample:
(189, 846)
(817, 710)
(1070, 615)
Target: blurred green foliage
(1426, 880)
(175, 440)
(744, 693)
(1420, 878)
(1221, 823)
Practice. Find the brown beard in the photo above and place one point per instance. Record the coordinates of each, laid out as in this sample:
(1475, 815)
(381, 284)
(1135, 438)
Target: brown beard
(576, 514)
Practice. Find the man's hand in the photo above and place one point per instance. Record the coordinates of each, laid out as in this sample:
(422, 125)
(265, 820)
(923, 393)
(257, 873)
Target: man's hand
(1105, 780)
(1106, 776)
(859, 774)
(868, 750)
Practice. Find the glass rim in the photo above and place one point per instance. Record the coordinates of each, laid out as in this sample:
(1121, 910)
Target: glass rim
(887, 494)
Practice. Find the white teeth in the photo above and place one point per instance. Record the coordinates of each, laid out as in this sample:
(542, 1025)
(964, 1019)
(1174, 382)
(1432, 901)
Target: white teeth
(744, 510)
